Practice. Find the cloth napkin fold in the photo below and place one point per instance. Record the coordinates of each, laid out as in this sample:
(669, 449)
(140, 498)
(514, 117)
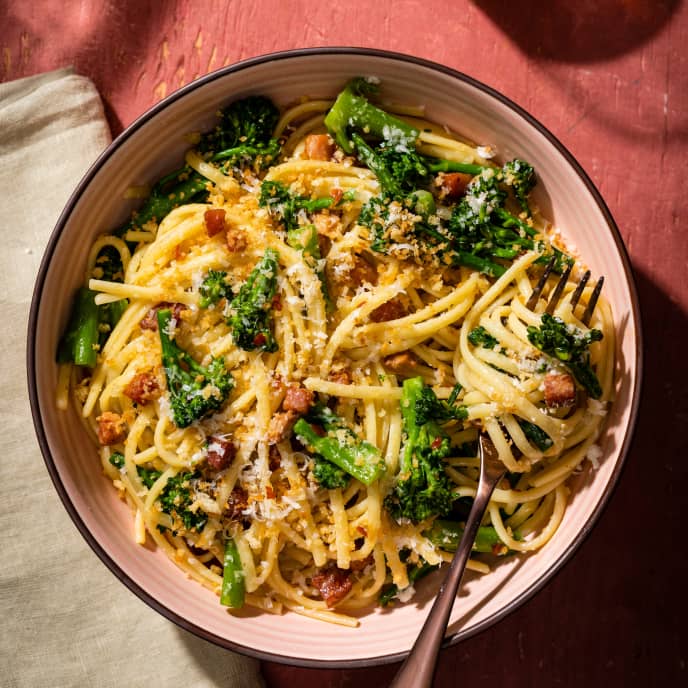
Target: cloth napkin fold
(66, 620)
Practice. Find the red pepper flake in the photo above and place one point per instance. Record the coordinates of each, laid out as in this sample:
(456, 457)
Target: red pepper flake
(336, 194)
(259, 339)
(436, 443)
(270, 492)
(362, 530)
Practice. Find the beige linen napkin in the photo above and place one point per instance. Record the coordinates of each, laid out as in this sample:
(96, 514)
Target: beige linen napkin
(57, 628)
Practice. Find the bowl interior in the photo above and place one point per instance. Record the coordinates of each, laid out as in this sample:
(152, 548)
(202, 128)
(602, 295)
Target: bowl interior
(155, 144)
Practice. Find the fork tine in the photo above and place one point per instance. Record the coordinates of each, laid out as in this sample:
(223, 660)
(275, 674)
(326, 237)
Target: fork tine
(579, 289)
(556, 294)
(532, 301)
(593, 301)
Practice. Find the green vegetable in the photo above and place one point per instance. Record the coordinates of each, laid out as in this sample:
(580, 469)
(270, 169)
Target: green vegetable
(213, 288)
(177, 188)
(447, 535)
(117, 460)
(175, 498)
(79, 343)
(570, 345)
(414, 574)
(328, 475)
(479, 336)
(536, 435)
(90, 325)
(243, 135)
(194, 391)
(520, 175)
(233, 583)
(428, 408)
(352, 111)
(251, 307)
(481, 233)
(481, 230)
(284, 206)
(340, 445)
(422, 488)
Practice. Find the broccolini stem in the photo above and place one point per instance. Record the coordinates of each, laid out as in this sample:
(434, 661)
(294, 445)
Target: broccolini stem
(387, 596)
(163, 199)
(454, 166)
(79, 343)
(345, 449)
(509, 220)
(367, 156)
(352, 111)
(447, 534)
(233, 583)
(470, 260)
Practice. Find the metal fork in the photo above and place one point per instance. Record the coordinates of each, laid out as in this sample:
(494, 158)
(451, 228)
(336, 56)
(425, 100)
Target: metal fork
(559, 288)
(419, 668)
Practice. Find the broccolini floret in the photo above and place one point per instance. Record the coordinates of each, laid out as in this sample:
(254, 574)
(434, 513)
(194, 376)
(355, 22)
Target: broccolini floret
(243, 136)
(423, 489)
(175, 498)
(570, 345)
(353, 118)
(340, 446)
(195, 391)
(482, 233)
(213, 288)
(479, 336)
(520, 176)
(251, 307)
(328, 475)
(284, 206)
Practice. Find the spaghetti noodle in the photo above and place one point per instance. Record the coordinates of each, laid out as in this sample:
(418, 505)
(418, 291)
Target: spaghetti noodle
(345, 324)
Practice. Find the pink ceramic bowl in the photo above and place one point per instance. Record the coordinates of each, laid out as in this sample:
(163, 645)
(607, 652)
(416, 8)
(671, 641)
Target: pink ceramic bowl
(155, 144)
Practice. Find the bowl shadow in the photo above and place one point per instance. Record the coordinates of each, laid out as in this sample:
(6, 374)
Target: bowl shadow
(579, 32)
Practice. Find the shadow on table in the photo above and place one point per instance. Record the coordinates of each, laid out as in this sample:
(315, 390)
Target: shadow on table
(223, 668)
(95, 37)
(664, 404)
(583, 31)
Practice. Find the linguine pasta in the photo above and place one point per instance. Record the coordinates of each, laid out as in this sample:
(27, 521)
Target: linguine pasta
(350, 323)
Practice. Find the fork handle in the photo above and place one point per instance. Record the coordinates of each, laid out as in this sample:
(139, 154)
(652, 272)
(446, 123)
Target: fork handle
(419, 668)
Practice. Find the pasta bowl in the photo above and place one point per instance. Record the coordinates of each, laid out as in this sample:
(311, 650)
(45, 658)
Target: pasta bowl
(152, 146)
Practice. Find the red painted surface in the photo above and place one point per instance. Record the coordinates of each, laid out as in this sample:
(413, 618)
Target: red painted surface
(610, 79)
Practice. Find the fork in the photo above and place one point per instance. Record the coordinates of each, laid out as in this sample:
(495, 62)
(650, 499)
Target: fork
(559, 289)
(418, 670)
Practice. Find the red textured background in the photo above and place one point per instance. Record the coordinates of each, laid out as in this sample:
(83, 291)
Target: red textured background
(610, 79)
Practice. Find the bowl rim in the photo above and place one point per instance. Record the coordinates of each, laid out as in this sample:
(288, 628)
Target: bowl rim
(40, 282)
